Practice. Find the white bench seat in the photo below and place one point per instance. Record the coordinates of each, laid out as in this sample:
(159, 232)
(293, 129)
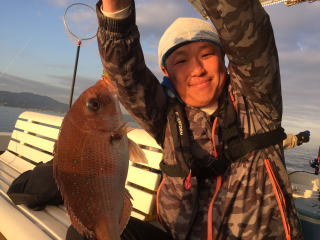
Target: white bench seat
(32, 141)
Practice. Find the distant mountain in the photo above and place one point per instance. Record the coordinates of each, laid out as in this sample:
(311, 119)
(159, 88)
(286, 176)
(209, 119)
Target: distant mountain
(30, 100)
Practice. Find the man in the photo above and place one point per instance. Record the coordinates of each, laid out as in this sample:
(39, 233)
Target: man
(223, 168)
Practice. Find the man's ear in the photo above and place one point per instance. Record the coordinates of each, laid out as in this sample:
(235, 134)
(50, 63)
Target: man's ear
(164, 71)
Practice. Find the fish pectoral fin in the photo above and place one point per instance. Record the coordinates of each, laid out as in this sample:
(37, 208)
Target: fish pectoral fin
(135, 152)
(126, 210)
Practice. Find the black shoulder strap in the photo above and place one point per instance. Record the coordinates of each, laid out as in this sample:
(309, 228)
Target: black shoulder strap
(179, 128)
(232, 137)
(237, 149)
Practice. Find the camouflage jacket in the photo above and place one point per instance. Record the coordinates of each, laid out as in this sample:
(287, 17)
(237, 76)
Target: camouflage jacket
(255, 197)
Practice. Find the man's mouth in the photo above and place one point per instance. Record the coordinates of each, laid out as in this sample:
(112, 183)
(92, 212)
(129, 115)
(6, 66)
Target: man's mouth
(200, 83)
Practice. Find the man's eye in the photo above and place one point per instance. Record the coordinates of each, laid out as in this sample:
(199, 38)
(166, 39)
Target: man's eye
(180, 61)
(208, 54)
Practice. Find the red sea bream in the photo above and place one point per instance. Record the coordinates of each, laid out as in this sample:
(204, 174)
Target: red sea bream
(91, 163)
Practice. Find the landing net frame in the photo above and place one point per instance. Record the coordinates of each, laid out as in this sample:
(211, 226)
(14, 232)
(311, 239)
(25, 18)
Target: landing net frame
(78, 42)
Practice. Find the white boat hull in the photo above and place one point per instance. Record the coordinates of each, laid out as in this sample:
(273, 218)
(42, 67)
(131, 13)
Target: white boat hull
(306, 193)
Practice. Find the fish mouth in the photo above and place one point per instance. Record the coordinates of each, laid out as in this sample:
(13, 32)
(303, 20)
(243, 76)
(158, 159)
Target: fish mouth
(112, 124)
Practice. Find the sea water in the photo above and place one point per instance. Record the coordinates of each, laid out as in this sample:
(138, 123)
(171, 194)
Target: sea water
(296, 159)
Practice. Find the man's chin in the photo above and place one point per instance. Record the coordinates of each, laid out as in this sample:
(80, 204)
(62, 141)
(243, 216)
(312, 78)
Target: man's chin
(199, 103)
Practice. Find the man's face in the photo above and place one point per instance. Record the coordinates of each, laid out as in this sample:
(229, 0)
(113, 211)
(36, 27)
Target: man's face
(197, 72)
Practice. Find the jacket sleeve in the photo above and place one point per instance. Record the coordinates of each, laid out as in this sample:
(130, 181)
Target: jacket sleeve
(247, 38)
(123, 61)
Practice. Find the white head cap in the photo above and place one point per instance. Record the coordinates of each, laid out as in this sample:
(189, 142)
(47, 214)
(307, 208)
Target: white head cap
(184, 30)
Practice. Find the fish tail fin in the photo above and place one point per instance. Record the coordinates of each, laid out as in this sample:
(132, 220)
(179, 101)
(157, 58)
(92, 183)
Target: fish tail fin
(126, 210)
(135, 152)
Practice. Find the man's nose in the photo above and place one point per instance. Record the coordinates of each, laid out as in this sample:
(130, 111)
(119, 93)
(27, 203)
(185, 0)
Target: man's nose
(197, 67)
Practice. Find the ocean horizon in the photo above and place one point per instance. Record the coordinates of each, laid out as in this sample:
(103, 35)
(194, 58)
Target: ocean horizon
(297, 159)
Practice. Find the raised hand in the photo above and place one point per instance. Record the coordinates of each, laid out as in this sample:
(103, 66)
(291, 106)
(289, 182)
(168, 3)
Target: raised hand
(114, 5)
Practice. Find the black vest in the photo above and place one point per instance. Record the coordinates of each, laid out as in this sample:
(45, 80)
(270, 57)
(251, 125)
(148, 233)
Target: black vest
(234, 144)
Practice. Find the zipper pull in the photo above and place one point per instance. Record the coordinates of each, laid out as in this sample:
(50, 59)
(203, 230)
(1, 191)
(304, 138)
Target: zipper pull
(187, 181)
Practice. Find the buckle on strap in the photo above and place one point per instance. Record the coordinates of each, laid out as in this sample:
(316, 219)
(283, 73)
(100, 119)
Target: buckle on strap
(173, 170)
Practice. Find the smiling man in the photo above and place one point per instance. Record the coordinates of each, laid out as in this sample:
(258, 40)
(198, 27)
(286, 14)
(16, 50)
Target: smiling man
(193, 62)
(223, 167)
(193, 68)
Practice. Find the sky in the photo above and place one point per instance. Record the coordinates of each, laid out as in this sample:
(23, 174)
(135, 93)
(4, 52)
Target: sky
(38, 55)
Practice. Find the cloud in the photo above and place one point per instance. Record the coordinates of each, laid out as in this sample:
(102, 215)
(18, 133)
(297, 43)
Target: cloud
(59, 89)
(58, 66)
(150, 14)
(59, 3)
(81, 84)
(299, 71)
(297, 37)
(153, 17)
(17, 84)
(294, 26)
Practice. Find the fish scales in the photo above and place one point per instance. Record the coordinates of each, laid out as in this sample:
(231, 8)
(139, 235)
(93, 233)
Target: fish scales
(91, 163)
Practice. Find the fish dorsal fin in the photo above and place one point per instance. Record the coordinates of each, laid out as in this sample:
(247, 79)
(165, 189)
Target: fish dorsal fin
(135, 152)
(126, 210)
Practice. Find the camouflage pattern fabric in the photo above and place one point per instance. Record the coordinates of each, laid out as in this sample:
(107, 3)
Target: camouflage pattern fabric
(246, 205)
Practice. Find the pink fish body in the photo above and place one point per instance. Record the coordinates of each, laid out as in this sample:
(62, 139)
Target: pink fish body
(91, 164)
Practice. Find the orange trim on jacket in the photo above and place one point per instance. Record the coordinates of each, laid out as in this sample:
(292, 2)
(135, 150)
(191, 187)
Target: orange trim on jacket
(279, 197)
(209, 228)
(218, 183)
(157, 200)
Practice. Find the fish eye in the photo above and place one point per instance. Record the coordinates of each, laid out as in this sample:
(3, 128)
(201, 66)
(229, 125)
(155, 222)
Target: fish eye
(93, 105)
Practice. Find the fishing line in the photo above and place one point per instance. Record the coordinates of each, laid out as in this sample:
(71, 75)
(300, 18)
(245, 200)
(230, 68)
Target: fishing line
(81, 24)
(5, 69)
